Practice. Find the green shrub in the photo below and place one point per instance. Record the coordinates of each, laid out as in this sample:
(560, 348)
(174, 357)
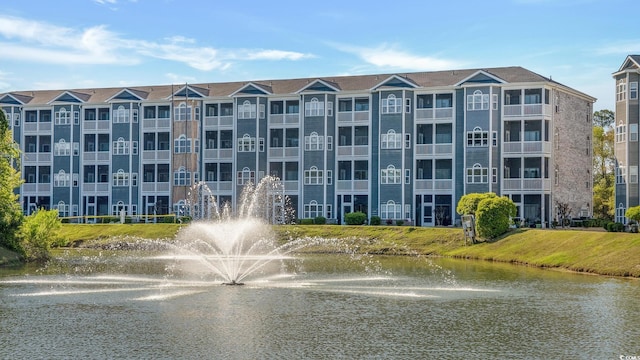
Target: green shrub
(375, 220)
(493, 216)
(38, 233)
(320, 220)
(305, 221)
(468, 204)
(399, 222)
(355, 218)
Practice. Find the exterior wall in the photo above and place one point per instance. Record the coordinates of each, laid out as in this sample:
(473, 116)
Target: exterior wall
(429, 200)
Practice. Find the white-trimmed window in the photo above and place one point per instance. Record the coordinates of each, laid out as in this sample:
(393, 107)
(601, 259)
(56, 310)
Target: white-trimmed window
(633, 90)
(247, 110)
(391, 210)
(621, 90)
(246, 176)
(121, 147)
(621, 132)
(63, 209)
(62, 148)
(494, 138)
(181, 145)
(312, 210)
(391, 105)
(478, 101)
(477, 174)
(620, 211)
(477, 137)
(391, 140)
(313, 142)
(62, 117)
(313, 176)
(121, 115)
(494, 101)
(621, 174)
(246, 143)
(633, 132)
(314, 108)
(61, 179)
(329, 143)
(494, 175)
(633, 174)
(390, 175)
(182, 112)
(120, 178)
(407, 105)
(182, 177)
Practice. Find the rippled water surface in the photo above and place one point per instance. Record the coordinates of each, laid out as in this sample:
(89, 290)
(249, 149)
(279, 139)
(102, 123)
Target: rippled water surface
(326, 307)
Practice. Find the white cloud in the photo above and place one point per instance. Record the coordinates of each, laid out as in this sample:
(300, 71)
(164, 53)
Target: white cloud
(620, 48)
(390, 57)
(41, 42)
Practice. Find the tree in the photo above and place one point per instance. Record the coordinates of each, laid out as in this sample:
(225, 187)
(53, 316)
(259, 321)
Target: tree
(603, 165)
(603, 118)
(493, 216)
(633, 213)
(38, 233)
(468, 203)
(564, 211)
(10, 211)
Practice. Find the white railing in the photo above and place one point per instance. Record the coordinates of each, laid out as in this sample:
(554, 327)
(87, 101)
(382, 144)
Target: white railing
(356, 150)
(527, 147)
(152, 155)
(156, 187)
(284, 152)
(429, 184)
(36, 157)
(36, 188)
(526, 109)
(434, 114)
(36, 127)
(349, 185)
(95, 188)
(215, 121)
(276, 119)
(291, 118)
(291, 185)
(96, 125)
(527, 184)
(218, 154)
(215, 186)
(431, 149)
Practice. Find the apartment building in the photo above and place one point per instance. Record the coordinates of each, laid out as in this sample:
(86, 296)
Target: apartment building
(626, 137)
(403, 146)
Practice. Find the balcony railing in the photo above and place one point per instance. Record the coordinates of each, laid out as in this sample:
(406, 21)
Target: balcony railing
(101, 156)
(284, 152)
(37, 157)
(220, 185)
(538, 184)
(154, 155)
(434, 149)
(156, 187)
(352, 185)
(36, 188)
(527, 147)
(288, 119)
(291, 185)
(353, 116)
(434, 114)
(430, 184)
(217, 121)
(156, 123)
(527, 109)
(37, 127)
(102, 188)
(357, 150)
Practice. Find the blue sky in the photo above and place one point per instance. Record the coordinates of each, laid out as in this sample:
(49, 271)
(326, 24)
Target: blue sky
(101, 43)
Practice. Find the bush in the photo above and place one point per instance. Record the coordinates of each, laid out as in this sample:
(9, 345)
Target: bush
(355, 218)
(320, 220)
(493, 216)
(399, 222)
(375, 220)
(389, 221)
(615, 227)
(305, 221)
(38, 233)
(468, 204)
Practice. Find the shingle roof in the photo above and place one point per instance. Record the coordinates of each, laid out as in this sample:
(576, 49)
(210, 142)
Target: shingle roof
(352, 83)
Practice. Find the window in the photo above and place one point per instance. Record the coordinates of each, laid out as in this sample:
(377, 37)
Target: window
(120, 178)
(247, 110)
(633, 174)
(494, 101)
(533, 96)
(620, 211)
(182, 177)
(407, 141)
(313, 210)
(181, 145)
(121, 115)
(246, 144)
(621, 174)
(314, 108)
(633, 90)
(120, 147)
(246, 176)
(391, 210)
(62, 117)
(182, 112)
(477, 174)
(391, 105)
(62, 148)
(390, 140)
(494, 175)
(407, 176)
(621, 90)
(313, 176)
(313, 142)
(390, 175)
(621, 132)
(362, 104)
(61, 179)
(494, 139)
(444, 100)
(477, 137)
(633, 132)
(478, 101)
(63, 209)
(407, 106)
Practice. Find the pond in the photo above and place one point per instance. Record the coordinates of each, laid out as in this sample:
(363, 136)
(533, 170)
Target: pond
(127, 305)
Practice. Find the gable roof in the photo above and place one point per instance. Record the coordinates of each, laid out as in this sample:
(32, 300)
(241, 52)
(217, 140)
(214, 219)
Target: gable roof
(70, 96)
(129, 94)
(481, 77)
(320, 85)
(191, 91)
(396, 81)
(15, 99)
(631, 62)
(253, 89)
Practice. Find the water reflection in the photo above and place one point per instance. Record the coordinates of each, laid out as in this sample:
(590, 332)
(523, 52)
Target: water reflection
(321, 307)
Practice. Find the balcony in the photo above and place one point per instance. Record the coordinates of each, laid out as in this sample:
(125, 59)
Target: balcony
(43, 158)
(284, 152)
(100, 156)
(520, 147)
(37, 127)
(96, 188)
(35, 188)
(156, 155)
(430, 184)
(354, 116)
(93, 125)
(357, 150)
(161, 123)
(527, 110)
(434, 149)
(218, 121)
(526, 184)
(156, 187)
(352, 185)
(217, 186)
(284, 119)
(434, 114)
(291, 185)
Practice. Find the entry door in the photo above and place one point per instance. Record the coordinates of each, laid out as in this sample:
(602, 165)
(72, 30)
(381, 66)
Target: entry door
(346, 208)
(427, 215)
